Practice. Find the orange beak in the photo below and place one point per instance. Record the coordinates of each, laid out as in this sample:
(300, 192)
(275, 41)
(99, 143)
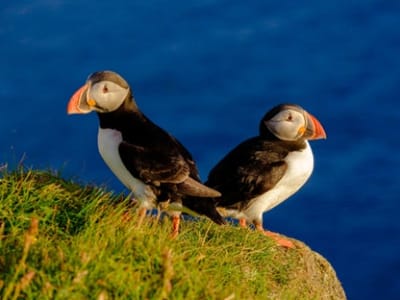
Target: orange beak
(76, 104)
(314, 130)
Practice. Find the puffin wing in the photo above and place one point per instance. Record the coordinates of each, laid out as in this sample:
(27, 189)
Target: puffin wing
(156, 157)
(194, 173)
(152, 166)
(157, 167)
(249, 170)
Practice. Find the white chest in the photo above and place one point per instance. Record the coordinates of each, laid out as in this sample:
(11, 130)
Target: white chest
(108, 141)
(300, 167)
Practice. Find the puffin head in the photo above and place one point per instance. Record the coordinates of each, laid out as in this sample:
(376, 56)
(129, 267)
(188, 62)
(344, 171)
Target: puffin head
(290, 122)
(103, 92)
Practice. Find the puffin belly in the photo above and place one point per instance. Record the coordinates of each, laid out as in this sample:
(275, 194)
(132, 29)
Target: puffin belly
(108, 141)
(300, 167)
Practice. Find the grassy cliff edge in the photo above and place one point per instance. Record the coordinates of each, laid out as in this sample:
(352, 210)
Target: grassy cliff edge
(62, 240)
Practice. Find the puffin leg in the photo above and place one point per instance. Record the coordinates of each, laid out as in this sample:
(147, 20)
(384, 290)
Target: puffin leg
(176, 220)
(142, 214)
(242, 222)
(281, 241)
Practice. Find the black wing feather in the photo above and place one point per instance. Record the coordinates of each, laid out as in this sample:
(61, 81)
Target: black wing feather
(153, 166)
(249, 170)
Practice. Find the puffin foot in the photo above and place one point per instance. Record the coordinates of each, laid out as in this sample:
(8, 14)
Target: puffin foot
(242, 223)
(280, 241)
(176, 220)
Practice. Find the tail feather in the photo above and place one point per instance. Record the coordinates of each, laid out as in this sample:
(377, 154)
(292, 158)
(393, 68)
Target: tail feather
(195, 188)
(204, 206)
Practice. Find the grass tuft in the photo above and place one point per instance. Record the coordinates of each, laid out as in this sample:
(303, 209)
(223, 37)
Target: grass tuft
(62, 240)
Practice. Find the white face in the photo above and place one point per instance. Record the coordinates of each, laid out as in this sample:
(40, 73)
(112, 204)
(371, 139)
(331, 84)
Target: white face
(287, 125)
(107, 96)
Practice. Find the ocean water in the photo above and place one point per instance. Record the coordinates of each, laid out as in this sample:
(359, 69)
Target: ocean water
(207, 72)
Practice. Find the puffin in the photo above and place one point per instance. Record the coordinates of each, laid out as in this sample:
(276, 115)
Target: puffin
(265, 170)
(150, 162)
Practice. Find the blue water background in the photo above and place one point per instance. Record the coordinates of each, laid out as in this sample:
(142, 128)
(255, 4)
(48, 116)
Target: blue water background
(207, 71)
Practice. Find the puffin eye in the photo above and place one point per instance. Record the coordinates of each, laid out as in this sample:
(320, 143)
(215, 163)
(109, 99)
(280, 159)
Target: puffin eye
(289, 117)
(105, 89)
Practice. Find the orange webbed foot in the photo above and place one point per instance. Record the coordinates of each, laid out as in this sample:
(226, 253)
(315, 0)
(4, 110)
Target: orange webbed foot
(281, 241)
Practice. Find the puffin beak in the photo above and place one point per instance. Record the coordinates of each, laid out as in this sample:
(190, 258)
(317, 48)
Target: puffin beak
(76, 104)
(314, 129)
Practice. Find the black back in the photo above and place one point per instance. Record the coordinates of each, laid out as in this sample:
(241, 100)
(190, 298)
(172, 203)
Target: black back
(251, 169)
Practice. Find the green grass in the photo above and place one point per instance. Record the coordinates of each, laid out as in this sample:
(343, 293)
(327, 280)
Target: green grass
(62, 240)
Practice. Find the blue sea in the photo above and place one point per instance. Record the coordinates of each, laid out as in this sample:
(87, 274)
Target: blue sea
(207, 71)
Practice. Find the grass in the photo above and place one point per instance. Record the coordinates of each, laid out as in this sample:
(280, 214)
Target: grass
(62, 240)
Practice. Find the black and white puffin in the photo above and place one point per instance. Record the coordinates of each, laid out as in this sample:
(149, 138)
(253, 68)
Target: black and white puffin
(265, 170)
(145, 158)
